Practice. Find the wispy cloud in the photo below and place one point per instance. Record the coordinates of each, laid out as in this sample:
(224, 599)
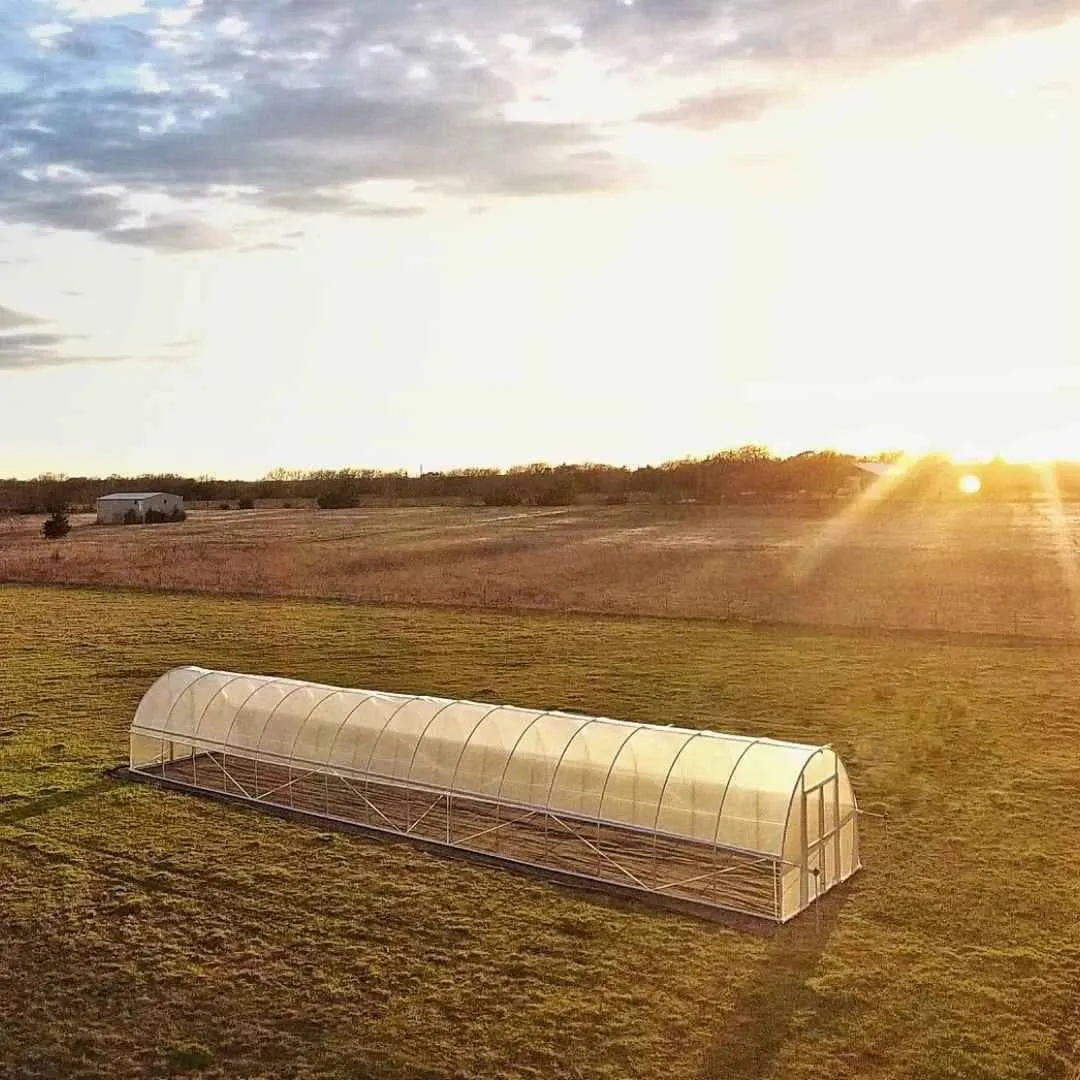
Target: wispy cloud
(11, 319)
(34, 349)
(23, 347)
(172, 236)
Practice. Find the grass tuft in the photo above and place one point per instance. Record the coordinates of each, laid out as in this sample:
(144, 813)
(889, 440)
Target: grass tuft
(189, 1059)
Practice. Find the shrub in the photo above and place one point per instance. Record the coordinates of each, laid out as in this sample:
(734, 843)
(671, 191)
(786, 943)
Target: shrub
(555, 495)
(224, 506)
(502, 498)
(158, 517)
(56, 525)
(131, 517)
(336, 499)
(246, 504)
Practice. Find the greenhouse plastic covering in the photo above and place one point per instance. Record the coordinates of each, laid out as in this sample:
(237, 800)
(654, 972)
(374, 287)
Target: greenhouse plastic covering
(790, 803)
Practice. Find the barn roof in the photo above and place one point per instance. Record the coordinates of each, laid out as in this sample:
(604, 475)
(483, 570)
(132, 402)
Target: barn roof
(131, 495)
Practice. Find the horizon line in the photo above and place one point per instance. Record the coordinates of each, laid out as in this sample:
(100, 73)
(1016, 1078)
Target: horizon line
(296, 473)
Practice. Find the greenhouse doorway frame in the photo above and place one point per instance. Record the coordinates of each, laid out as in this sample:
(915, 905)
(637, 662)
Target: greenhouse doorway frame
(820, 826)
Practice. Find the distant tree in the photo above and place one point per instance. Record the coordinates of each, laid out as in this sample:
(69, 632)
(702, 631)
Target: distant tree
(750, 452)
(822, 472)
(56, 524)
(283, 474)
(560, 491)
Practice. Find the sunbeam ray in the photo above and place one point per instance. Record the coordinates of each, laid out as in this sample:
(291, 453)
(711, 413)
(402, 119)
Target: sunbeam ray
(1063, 544)
(810, 557)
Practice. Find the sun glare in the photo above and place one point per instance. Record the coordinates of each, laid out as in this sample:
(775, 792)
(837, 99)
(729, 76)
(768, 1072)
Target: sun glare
(970, 484)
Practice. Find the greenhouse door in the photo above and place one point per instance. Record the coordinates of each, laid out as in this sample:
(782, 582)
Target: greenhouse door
(821, 838)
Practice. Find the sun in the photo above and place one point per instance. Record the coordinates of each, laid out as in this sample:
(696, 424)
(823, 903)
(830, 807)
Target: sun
(970, 484)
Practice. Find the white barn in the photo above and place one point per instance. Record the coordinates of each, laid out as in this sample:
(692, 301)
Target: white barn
(113, 509)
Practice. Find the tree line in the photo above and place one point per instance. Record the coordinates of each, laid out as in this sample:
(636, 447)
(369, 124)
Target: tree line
(745, 474)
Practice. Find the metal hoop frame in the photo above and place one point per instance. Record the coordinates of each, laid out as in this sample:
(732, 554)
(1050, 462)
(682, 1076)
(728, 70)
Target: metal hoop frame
(736, 876)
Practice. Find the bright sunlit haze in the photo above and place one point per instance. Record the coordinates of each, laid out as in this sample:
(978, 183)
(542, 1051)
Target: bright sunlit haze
(235, 236)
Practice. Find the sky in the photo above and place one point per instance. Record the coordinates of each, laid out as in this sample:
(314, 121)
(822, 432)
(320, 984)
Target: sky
(243, 234)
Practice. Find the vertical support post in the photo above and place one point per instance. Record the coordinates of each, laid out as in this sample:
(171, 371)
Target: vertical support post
(804, 875)
(817, 906)
(820, 842)
(838, 866)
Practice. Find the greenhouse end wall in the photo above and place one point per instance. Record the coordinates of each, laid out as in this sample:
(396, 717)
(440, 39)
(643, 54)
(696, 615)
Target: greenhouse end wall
(719, 821)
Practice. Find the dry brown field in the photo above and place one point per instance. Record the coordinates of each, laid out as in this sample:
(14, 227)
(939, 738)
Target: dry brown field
(972, 566)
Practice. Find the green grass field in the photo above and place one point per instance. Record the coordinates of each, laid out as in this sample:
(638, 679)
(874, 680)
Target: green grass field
(147, 934)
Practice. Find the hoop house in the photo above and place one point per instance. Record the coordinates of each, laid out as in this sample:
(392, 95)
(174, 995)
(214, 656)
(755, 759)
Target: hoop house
(698, 818)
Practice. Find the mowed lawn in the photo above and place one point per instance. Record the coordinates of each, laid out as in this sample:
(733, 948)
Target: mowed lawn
(152, 934)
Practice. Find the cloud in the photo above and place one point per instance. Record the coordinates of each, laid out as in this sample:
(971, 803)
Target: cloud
(112, 42)
(57, 207)
(13, 343)
(579, 174)
(30, 349)
(266, 245)
(10, 319)
(99, 9)
(712, 110)
(304, 102)
(328, 139)
(33, 361)
(172, 236)
(340, 203)
(33, 350)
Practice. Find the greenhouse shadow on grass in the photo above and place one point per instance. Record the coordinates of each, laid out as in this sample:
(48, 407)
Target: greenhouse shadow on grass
(696, 818)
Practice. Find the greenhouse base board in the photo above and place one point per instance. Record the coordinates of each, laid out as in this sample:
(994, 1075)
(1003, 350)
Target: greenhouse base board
(671, 872)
